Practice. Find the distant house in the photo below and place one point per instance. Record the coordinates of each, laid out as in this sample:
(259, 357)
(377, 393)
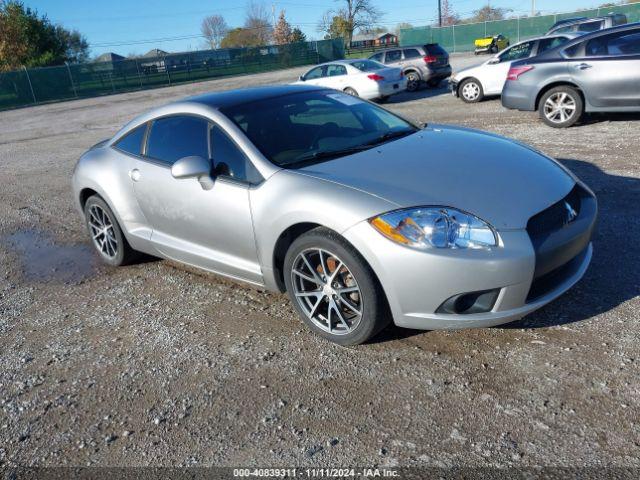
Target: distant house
(107, 61)
(153, 61)
(373, 40)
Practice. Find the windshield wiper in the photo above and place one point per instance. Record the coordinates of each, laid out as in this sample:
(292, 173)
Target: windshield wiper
(390, 136)
(326, 154)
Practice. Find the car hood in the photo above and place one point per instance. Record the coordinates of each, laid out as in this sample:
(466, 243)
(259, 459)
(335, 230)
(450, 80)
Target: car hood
(497, 179)
(469, 71)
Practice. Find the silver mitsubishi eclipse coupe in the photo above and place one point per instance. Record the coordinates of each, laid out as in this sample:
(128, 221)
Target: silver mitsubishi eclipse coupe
(359, 215)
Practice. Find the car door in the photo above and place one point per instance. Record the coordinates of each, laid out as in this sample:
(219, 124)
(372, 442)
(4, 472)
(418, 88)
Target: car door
(206, 226)
(315, 75)
(494, 73)
(393, 57)
(606, 69)
(336, 77)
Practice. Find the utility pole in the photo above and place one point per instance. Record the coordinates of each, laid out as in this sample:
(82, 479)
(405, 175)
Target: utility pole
(439, 13)
(533, 8)
(273, 13)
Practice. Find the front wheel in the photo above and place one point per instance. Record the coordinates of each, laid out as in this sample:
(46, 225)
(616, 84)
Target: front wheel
(351, 91)
(106, 235)
(333, 288)
(561, 107)
(470, 91)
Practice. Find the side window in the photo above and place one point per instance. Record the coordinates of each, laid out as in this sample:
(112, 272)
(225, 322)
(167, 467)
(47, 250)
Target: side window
(569, 28)
(229, 160)
(335, 70)
(172, 138)
(521, 50)
(377, 57)
(590, 26)
(132, 141)
(314, 73)
(549, 43)
(410, 53)
(626, 45)
(393, 56)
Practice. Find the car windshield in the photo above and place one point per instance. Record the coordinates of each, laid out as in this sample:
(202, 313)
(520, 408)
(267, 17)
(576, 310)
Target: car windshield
(367, 65)
(308, 127)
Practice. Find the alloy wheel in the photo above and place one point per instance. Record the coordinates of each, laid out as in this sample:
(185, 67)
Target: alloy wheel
(412, 82)
(470, 91)
(327, 291)
(559, 107)
(102, 232)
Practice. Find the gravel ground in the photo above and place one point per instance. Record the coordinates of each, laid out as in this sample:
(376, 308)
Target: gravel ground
(157, 364)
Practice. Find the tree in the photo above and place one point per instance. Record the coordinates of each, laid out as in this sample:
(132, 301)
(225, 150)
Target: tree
(214, 28)
(297, 36)
(449, 16)
(354, 15)
(336, 26)
(258, 23)
(27, 39)
(237, 37)
(488, 14)
(282, 32)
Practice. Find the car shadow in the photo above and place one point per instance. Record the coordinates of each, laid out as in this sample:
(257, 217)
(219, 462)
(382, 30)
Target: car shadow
(423, 92)
(601, 117)
(614, 274)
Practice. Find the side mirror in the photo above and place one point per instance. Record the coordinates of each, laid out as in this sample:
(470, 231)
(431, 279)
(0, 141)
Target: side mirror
(301, 78)
(494, 60)
(190, 167)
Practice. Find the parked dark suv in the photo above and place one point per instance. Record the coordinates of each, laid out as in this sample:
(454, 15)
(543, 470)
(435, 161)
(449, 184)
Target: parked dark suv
(584, 24)
(420, 63)
(596, 72)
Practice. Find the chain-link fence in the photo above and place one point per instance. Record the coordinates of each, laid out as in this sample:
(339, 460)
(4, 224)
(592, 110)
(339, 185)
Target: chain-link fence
(37, 85)
(461, 38)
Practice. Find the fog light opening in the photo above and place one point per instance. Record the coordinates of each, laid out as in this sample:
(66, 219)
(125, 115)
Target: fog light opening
(471, 302)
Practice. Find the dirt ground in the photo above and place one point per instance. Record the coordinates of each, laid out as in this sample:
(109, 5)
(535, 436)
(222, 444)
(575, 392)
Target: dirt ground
(156, 364)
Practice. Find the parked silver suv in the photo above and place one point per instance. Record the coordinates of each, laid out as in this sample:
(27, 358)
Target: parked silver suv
(584, 24)
(420, 63)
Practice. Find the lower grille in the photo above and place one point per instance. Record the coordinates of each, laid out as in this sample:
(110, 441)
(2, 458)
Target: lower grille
(560, 236)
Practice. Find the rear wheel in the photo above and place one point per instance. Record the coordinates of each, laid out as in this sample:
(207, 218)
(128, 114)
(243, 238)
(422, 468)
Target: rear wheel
(333, 288)
(351, 91)
(470, 90)
(106, 234)
(561, 107)
(413, 81)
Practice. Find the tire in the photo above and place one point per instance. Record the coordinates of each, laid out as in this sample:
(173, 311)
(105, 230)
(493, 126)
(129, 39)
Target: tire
(111, 245)
(304, 269)
(351, 91)
(493, 49)
(561, 107)
(413, 81)
(470, 90)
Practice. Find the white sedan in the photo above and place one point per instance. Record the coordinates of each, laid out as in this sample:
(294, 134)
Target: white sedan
(359, 77)
(474, 83)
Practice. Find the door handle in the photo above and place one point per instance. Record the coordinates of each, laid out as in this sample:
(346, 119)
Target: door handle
(134, 174)
(583, 66)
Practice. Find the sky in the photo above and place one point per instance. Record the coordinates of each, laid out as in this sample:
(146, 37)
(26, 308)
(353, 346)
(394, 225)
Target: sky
(137, 26)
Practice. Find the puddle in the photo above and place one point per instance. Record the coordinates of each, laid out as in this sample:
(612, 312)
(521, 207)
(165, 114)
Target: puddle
(44, 260)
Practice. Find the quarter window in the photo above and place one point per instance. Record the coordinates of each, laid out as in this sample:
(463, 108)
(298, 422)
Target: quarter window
(377, 57)
(172, 138)
(132, 141)
(229, 160)
(410, 53)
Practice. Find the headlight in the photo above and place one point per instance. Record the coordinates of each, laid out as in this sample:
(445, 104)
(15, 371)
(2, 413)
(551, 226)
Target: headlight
(435, 227)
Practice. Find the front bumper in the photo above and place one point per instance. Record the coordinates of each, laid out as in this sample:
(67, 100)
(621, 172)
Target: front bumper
(483, 49)
(453, 86)
(417, 283)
